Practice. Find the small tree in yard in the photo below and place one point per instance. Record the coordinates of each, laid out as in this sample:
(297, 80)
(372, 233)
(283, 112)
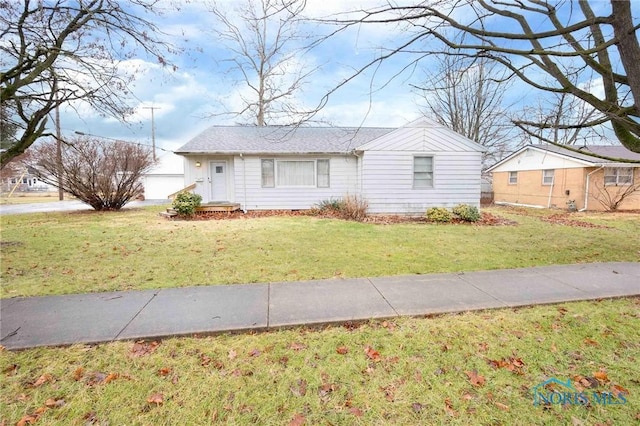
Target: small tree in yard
(104, 174)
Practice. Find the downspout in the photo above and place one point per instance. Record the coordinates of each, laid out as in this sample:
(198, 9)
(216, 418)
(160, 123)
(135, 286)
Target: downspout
(553, 181)
(244, 184)
(586, 189)
(358, 173)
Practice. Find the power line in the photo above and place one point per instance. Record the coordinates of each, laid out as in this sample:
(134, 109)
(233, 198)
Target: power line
(121, 140)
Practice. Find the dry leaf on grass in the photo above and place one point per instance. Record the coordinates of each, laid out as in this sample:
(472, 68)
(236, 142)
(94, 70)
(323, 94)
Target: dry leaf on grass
(342, 350)
(475, 378)
(417, 407)
(142, 348)
(372, 354)
(300, 389)
(156, 398)
(297, 346)
(601, 376)
(298, 420)
(45, 378)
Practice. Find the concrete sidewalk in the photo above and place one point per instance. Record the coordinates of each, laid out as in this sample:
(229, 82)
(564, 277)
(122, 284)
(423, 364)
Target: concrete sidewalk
(103, 317)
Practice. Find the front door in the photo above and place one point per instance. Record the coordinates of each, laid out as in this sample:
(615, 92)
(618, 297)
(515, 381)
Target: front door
(218, 180)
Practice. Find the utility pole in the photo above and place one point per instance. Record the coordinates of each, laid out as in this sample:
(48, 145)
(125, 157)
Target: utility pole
(153, 130)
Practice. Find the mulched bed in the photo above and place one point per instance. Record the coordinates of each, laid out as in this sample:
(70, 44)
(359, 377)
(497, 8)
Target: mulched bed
(487, 219)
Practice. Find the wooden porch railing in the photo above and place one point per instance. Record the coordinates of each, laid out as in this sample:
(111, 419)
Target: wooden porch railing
(185, 189)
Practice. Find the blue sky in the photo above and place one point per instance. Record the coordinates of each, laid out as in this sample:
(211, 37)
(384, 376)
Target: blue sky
(187, 99)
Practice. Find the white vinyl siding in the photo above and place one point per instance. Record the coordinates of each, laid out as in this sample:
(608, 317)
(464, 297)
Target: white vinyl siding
(618, 176)
(547, 177)
(422, 172)
(513, 178)
(342, 176)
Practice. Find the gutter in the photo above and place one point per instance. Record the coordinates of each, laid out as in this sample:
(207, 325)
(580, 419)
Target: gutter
(586, 188)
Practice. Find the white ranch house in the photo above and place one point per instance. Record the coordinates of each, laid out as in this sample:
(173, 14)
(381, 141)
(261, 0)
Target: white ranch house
(398, 171)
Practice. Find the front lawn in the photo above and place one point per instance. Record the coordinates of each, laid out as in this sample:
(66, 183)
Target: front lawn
(58, 253)
(470, 368)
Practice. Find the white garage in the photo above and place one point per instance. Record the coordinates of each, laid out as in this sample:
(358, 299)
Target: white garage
(165, 178)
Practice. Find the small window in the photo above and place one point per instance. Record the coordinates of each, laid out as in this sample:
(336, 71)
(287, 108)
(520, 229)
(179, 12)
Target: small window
(218, 169)
(513, 178)
(547, 177)
(618, 176)
(422, 172)
(268, 174)
(323, 173)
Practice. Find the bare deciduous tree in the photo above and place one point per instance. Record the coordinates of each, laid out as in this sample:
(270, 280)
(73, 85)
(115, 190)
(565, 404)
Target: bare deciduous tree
(549, 45)
(59, 51)
(558, 120)
(103, 174)
(267, 45)
(467, 96)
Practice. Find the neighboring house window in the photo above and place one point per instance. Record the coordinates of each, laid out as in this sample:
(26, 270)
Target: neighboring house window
(268, 174)
(618, 175)
(547, 177)
(513, 178)
(323, 173)
(290, 173)
(423, 172)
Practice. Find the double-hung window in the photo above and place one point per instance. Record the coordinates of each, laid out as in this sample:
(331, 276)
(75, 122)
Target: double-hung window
(422, 172)
(547, 177)
(295, 173)
(618, 176)
(513, 178)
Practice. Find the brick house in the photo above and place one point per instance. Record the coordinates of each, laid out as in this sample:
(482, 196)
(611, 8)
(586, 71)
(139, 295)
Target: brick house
(549, 176)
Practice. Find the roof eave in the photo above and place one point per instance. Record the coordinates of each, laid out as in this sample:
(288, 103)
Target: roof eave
(263, 153)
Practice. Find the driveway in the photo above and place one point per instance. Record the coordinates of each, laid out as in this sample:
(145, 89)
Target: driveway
(61, 206)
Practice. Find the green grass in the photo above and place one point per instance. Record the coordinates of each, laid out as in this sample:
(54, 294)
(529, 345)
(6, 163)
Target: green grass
(420, 376)
(59, 253)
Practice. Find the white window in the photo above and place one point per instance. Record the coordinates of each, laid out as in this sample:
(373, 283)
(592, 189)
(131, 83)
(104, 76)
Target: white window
(295, 173)
(291, 173)
(423, 172)
(323, 173)
(268, 174)
(547, 177)
(513, 178)
(618, 176)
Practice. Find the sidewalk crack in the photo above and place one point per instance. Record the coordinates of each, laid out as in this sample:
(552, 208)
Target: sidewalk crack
(135, 316)
(384, 298)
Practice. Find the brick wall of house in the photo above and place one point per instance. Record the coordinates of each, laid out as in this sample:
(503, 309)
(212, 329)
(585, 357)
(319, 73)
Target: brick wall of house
(530, 189)
(597, 190)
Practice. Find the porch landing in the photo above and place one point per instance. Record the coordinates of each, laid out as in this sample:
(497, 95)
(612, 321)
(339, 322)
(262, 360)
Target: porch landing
(218, 207)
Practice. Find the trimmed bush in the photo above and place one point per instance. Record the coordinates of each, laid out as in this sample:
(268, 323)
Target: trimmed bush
(466, 212)
(439, 214)
(185, 203)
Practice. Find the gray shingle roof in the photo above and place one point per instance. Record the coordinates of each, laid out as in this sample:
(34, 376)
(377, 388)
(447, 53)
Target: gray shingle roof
(280, 140)
(613, 151)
